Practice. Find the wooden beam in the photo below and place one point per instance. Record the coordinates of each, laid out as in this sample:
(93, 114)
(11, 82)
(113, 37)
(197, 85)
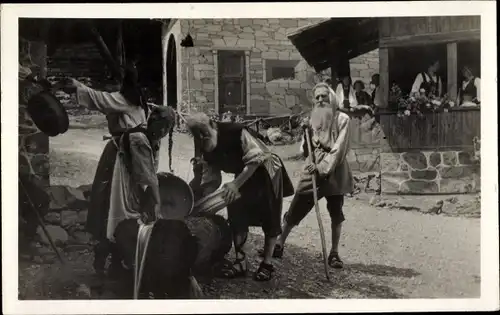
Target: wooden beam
(105, 53)
(384, 86)
(452, 69)
(429, 39)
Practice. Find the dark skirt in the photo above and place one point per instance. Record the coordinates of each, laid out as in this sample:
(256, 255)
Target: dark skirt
(260, 204)
(97, 218)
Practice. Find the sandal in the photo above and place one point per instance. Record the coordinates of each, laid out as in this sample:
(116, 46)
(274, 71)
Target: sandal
(264, 273)
(233, 270)
(334, 261)
(277, 253)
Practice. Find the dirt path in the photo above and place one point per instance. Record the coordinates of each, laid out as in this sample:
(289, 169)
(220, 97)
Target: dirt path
(388, 253)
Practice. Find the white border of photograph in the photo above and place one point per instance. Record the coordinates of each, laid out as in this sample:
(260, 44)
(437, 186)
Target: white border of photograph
(489, 181)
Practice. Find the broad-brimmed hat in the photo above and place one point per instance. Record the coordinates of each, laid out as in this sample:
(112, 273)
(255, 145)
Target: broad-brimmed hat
(48, 114)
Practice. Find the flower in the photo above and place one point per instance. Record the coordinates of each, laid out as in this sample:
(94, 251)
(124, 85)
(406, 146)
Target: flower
(407, 112)
(451, 103)
(436, 102)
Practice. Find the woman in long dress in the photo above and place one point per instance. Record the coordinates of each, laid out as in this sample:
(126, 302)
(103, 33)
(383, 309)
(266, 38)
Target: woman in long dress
(125, 109)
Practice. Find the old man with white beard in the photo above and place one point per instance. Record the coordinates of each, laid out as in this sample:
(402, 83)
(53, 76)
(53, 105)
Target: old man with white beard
(329, 132)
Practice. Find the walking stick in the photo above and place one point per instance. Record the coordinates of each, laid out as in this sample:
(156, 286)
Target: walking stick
(316, 206)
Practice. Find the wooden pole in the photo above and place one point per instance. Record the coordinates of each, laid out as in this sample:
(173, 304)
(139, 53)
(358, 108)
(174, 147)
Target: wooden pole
(452, 67)
(316, 207)
(105, 53)
(384, 86)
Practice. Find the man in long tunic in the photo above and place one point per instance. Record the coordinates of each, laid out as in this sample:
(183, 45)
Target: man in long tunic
(125, 110)
(329, 132)
(261, 182)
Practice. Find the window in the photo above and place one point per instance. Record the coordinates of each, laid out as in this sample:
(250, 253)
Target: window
(282, 73)
(232, 81)
(280, 69)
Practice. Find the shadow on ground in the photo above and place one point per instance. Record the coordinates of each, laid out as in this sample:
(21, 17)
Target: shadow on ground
(300, 274)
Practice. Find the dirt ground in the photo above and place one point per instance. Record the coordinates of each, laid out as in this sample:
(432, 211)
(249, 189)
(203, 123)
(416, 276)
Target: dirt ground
(388, 253)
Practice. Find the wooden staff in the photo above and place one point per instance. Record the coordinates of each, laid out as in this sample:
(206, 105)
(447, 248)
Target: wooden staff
(316, 206)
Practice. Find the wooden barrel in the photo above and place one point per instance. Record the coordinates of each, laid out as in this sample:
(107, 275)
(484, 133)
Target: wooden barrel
(213, 238)
(176, 249)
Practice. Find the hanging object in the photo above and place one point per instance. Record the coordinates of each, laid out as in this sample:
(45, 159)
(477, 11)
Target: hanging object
(48, 114)
(187, 41)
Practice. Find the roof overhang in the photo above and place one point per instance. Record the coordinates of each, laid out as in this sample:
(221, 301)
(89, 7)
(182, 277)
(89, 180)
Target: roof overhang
(64, 31)
(323, 44)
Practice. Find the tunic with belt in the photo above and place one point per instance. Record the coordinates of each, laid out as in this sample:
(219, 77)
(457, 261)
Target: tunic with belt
(330, 157)
(262, 194)
(121, 116)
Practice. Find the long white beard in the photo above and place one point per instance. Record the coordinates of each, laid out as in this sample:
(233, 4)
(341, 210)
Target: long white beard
(322, 121)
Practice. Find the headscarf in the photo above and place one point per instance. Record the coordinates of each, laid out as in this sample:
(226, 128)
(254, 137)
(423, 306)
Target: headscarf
(130, 87)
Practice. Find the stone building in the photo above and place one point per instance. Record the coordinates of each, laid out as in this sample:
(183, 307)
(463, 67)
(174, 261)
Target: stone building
(246, 66)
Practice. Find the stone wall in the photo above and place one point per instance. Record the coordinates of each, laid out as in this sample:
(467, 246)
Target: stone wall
(33, 144)
(66, 217)
(379, 167)
(266, 44)
(82, 62)
(363, 67)
(265, 41)
(430, 172)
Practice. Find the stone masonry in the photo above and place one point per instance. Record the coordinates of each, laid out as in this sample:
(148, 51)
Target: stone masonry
(265, 43)
(33, 144)
(427, 172)
(66, 214)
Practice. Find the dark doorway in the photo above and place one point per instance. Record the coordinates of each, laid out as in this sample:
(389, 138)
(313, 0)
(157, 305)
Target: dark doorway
(171, 66)
(232, 82)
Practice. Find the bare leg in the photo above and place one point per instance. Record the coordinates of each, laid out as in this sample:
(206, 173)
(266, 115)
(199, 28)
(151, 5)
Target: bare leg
(334, 258)
(269, 244)
(238, 268)
(266, 269)
(336, 232)
(239, 243)
(287, 228)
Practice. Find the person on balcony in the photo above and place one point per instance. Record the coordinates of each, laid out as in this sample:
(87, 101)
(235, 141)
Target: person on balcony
(362, 97)
(345, 93)
(428, 83)
(469, 93)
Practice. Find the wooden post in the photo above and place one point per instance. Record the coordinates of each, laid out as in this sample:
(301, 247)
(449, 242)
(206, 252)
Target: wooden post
(384, 87)
(452, 59)
(120, 51)
(104, 51)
